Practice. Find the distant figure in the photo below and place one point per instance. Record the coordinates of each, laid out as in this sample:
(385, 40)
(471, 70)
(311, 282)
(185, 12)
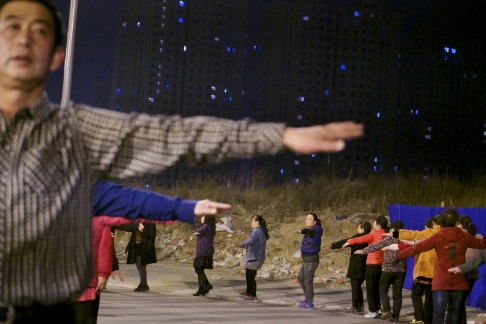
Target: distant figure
(141, 249)
(256, 248)
(204, 253)
(310, 247)
(356, 268)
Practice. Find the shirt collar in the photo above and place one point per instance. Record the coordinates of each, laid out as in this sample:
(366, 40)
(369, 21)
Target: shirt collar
(41, 108)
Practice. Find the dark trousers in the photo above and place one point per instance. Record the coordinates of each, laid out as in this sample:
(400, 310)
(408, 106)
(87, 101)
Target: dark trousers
(87, 311)
(251, 286)
(396, 280)
(357, 291)
(422, 308)
(462, 310)
(373, 274)
(38, 313)
(306, 279)
(448, 299)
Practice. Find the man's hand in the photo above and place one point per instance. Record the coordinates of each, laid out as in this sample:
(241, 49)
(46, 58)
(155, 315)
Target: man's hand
(345, 245)
(140, 227)
(101, 284)
(327, 138)
(209, 207)
(117, 273)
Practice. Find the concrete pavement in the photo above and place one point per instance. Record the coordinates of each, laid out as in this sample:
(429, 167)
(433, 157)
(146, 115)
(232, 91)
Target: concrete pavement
(172, 285)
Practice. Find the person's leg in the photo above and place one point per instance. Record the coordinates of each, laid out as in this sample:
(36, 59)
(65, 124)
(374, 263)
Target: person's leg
(300, 278)
(428, 304)
(200, 280)
(355, 286)
(440, 299)
(456, 300)
(397, 293)
(373, 286)
(251, 282)
(359, 291)
(309, 272)
(417, 301)
(386, 280)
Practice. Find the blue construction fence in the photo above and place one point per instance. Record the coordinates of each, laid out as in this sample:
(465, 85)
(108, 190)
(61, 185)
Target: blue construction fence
(414, 218)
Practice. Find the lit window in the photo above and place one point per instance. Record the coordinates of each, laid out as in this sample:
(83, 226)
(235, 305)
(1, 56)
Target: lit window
(181, 3)
(343, 66)
(296, 162)
(167, 85)
(356, 13)
(147, 185)
(375, 168)
(378, 115)
(254, 47)
(228, 49)
(225, 90)
(124, 24)
(118, 91)
(213, 96)
(139, 23)
(152, 100)
(395, 168)
(453, 50)
(429, 128)
(301, 99)
(281, 171)
(446, 49)
(428, 136)
(313, 155)
(326, 92)
(185, 48)
(376, 159)
(297, 180)
(484, 134)
(180, 20)
(216, 39)
(230, 98)
(416, 112)
(305, 18)
(300, 117)
(213, 88)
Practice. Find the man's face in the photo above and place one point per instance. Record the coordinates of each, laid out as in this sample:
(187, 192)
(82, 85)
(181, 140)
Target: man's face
(27, 53)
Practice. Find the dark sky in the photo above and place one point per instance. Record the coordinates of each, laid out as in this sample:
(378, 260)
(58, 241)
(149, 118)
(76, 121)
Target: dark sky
(97, 19)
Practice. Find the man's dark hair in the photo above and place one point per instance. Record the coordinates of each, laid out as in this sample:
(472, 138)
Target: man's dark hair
(429, 223)
(59, 31)
(449, 218)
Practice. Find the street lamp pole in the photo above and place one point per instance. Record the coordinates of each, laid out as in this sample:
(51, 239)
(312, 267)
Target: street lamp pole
(68, 63)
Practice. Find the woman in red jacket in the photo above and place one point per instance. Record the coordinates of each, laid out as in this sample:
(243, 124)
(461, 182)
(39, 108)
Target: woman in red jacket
(450, 244)
(374, 260)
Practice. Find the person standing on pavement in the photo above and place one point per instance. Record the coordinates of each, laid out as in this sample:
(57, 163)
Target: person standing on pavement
(356, 268)
(52, 158)
(141, 249)
(204, 253)
(310, 248)
(393, 273)
(450, 244)
(374, 260)
(256, 249)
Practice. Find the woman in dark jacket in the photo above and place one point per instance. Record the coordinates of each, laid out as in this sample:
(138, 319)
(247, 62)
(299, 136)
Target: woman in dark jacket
(204, 253)
(310, 247)
(141, 249)
(356, 268)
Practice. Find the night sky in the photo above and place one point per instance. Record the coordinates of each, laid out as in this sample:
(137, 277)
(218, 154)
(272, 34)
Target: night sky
(95, 35)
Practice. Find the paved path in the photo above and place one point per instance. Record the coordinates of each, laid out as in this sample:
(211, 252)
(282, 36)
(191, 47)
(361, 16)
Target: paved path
(170, 300)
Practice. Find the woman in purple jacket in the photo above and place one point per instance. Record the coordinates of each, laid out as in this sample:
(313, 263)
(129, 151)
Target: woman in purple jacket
(204, 253)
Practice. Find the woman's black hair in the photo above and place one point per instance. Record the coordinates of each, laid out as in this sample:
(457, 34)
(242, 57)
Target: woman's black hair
(366, 226)
(316, 219)
(211, 221)
(263, 225)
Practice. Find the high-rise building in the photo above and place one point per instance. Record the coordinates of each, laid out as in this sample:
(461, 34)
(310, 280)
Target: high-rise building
(306, 62)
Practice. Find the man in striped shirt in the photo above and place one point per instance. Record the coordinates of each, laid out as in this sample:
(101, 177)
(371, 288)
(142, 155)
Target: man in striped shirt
(51, 159)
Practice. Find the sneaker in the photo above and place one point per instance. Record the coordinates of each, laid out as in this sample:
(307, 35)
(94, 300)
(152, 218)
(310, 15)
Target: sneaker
(141, 288)
(416, 321)
(307, 305)
(353, 310)
(302, 302)
(370, 315)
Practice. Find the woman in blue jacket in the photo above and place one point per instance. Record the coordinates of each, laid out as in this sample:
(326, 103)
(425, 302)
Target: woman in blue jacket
(310, 247)
(255, 245)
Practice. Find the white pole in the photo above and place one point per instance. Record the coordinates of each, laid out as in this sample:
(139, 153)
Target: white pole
(68, 63)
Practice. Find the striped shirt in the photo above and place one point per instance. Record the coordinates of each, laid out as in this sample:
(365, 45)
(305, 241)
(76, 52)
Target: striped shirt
(51, 159)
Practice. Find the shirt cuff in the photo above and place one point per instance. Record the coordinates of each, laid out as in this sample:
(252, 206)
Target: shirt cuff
(185, 211)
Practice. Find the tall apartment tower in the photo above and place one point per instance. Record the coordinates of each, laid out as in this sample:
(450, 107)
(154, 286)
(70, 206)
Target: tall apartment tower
(327, 63)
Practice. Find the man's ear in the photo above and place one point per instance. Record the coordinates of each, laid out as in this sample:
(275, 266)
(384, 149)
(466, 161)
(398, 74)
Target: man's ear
(57, 58)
